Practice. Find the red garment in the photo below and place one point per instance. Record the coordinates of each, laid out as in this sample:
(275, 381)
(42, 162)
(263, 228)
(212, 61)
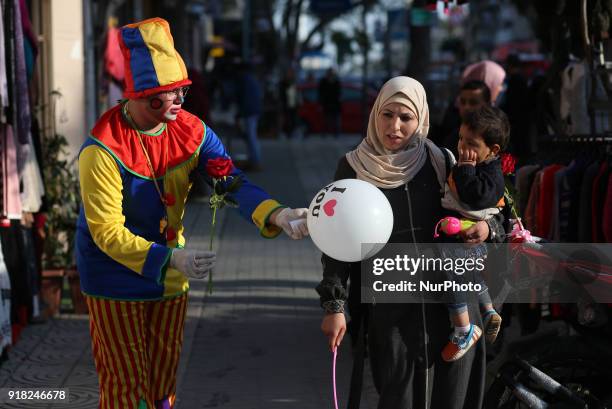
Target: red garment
(607, 213)
(113, 59)
(174, 146)
(545, 202)
(26, 25)
(596, 202)
(529, 218)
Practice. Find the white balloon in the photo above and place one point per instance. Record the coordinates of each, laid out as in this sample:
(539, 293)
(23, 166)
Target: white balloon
(350, 220)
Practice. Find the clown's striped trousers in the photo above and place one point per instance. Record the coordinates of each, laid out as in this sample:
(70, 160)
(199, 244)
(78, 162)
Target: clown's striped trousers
(136, 347)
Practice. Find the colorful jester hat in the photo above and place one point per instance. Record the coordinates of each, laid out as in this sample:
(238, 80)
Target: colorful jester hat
(152, 65)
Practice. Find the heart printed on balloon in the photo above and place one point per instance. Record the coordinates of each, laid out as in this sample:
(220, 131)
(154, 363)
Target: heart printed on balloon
(350, 220)
(328, 207)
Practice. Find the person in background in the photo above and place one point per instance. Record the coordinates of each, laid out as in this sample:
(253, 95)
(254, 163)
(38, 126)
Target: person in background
(520, 106)
(489, 73)
(289, 101)
(249, 96)
(473, 95)
(329, 97)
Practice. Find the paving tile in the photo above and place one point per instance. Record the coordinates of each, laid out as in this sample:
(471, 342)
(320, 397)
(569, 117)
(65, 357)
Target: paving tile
(255, 342)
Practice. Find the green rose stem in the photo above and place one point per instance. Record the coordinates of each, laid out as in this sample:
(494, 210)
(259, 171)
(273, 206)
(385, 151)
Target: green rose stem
(210, 247)
(512, 205)
(218, 200)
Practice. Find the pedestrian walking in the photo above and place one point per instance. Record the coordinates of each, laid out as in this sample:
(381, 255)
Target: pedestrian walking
(405, 340)
(249, 97)
(329, 98)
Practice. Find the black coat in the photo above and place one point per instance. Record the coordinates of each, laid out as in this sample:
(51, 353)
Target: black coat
(405, 340)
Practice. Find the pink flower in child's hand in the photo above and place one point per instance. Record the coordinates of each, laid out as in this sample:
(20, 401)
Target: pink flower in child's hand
(508, 162)
(219, 167)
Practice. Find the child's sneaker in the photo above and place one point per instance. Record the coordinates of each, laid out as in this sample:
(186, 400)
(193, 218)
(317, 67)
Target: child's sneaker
(458, 346)
(492, 322)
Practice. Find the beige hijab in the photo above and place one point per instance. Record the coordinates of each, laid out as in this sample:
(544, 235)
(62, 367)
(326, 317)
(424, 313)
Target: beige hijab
(381, 167)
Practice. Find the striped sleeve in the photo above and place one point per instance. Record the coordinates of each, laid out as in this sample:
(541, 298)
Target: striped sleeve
(101, 192)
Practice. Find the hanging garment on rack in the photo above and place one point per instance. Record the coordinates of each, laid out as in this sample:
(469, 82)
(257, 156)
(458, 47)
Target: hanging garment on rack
(554, 232)
(4, 96)
(14, 258)
(29, 39)
(30, 58)
(23, 124)
(37, 143)
(607, 212)
(113, 68)
(33, 189)
(598, 197)
(26, 24)
(29, 260)
(545, 201)
(11, 197)
(532, 202)
(585, 223)
(574, 94)
(5, 305)
(9, 47)
(524, 180)
(569, 202)
(113, 59)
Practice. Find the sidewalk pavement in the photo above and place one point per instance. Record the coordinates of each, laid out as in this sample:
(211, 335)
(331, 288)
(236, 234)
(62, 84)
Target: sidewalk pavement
(255, 342)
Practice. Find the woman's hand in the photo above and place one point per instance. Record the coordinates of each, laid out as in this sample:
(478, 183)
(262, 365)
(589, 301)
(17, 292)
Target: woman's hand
(476, 234)
(334, 328)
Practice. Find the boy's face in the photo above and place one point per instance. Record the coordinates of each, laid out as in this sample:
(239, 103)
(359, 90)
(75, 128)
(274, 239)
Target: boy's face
(470, 100)
(471, 141)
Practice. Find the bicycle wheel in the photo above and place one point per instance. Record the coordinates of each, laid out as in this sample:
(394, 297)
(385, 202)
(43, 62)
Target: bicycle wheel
(580, 366)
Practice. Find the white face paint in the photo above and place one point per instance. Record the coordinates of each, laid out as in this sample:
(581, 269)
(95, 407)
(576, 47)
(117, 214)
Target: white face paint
(169, 116)
(169, 109)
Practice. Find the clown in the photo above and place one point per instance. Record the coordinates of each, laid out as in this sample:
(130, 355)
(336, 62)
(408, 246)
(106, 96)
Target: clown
(134, 176)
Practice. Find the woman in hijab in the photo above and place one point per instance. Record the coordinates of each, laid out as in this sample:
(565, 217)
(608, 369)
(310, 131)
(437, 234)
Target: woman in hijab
(489, 72)
(405, 340)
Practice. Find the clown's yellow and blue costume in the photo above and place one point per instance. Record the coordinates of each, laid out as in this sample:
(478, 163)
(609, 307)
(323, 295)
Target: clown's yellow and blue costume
(137, 302)
(121, 252)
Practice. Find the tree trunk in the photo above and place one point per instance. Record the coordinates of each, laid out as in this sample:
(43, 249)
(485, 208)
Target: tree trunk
(420, 44)
(364, 80)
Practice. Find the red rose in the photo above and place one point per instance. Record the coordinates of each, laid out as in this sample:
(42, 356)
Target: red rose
(508, 162)
(219, 167)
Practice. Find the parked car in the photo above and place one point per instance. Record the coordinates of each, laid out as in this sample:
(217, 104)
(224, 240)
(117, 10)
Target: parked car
(352, 118)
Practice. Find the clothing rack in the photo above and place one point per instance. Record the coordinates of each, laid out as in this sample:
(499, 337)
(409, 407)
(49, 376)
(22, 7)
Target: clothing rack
(582, 141)
(570, 146)
(581, 138)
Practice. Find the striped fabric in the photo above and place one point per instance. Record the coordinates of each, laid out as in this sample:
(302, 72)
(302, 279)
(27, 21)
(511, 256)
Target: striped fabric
(136, 347)
(152, 65)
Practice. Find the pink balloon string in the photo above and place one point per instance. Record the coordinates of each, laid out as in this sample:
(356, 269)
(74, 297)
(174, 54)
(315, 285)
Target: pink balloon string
(334, 377)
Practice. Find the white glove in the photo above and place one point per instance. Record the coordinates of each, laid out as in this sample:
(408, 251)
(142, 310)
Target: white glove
(293, 222)
(193, 263)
